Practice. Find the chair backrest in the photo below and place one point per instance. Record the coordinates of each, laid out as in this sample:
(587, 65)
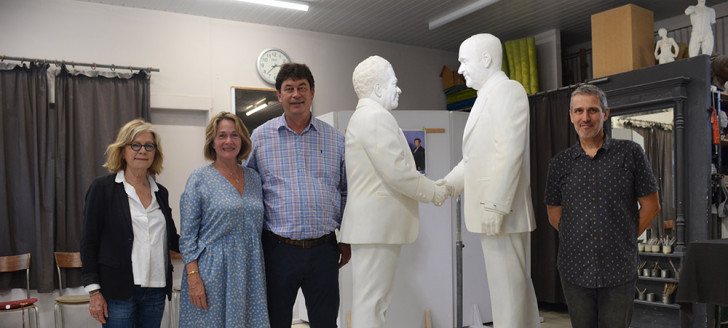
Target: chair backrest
(174, 255)
(14, 263)
(66, 260)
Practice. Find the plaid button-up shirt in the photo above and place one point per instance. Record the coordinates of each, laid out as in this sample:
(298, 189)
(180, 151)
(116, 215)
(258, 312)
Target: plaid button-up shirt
(303, 176)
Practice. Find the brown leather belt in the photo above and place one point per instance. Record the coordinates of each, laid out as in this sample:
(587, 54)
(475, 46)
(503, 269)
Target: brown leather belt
(303, 243)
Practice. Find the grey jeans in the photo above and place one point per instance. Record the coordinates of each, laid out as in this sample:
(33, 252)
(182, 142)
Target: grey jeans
(607, 307)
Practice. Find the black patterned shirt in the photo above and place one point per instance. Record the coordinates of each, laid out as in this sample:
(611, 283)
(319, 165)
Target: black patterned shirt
(600, 218)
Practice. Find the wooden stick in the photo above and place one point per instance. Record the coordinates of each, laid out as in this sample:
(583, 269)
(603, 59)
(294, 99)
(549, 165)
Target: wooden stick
(428, 319)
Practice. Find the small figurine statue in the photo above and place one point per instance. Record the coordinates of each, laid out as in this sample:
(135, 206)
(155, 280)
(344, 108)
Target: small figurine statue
(666, 49)
(702, 18)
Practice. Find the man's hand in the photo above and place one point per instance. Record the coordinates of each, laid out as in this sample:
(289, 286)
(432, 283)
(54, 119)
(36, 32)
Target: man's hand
(442, 192)
(345, 254)
(491, 222)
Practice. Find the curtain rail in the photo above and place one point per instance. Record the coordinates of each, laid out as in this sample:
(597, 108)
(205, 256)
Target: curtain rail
(72, 63)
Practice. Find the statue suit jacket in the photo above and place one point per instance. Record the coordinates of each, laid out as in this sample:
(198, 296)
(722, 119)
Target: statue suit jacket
(495, 168)
(107, 238)
(384, 187)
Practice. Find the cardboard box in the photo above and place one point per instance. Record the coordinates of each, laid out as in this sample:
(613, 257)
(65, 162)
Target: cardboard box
(450, 78)
(623, 39)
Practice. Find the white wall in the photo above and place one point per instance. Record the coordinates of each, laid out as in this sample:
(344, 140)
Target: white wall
(201, 58)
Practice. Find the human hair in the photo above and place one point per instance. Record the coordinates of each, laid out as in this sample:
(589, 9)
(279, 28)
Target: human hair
(115, 152)
(417, 139)
(211, 131)
(295, 71)
(367, 74)
(589, 89)
(488, 43)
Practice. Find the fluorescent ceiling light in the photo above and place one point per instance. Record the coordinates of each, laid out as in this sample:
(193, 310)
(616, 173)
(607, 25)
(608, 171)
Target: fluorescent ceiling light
(458, 13)
(288, 4)
(254, 110)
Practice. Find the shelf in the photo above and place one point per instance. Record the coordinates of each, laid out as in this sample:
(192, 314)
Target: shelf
(672, 280)
(658, 304)
(673, 254)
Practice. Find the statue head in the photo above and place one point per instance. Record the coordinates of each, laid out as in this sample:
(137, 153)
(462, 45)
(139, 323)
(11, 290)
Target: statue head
(374, 79)
(480, 57)
(662, 32)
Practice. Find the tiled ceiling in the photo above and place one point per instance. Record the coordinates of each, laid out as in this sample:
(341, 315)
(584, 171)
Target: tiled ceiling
(406, 21)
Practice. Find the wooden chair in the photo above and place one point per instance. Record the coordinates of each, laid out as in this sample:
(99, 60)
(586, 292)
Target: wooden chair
(15, 263)
(66, 260)
(176, 290)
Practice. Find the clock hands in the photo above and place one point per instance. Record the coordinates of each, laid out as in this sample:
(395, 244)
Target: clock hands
(272, 67)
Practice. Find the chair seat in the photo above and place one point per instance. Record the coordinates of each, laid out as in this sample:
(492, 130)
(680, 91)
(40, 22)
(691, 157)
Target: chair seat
(72, 299)
(18, 309)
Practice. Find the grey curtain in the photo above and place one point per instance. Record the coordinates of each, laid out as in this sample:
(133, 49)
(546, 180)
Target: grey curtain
(26, 173)
(91, 107)
(658, 147)
(551, 132)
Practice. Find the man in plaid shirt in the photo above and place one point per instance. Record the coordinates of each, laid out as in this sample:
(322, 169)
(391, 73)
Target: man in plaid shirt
(300, 160)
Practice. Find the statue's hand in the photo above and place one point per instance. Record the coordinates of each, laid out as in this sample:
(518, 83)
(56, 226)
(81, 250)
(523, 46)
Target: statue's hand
(491, 222)
(442, 192)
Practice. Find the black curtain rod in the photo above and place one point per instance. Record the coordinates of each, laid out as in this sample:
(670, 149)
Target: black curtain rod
(72, 63)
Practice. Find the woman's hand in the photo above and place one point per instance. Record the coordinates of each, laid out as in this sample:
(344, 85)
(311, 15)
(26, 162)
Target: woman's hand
(197, 290)
(98, 308)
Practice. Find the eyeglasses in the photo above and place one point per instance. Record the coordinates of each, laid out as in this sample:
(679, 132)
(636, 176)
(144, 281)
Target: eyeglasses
(147, 147)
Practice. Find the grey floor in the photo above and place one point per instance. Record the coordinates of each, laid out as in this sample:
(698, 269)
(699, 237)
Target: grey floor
(552, 319)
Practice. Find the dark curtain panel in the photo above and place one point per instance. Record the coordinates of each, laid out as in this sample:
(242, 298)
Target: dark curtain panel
(658, 147)
(551, 132)
(91, 107)
(26, 174)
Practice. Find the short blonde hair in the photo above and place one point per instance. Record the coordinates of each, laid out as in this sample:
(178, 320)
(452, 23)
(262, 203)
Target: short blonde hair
(115, 152)
(211, 132)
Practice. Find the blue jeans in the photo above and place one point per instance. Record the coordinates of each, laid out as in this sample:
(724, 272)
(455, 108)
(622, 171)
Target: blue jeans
(314, 270)
(607, 307)
(144, 309)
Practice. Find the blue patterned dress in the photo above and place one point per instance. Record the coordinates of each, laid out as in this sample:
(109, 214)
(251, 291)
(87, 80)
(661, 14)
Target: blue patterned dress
(221, 230)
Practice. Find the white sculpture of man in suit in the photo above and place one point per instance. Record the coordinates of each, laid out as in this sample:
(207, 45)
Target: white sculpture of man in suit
(495, 175)
(702, 19)
(384, 189)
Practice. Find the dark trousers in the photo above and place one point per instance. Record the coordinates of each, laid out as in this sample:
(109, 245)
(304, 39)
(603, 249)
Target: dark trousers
(608, 307)
(314, 270)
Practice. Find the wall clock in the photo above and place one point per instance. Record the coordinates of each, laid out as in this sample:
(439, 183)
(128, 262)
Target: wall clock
(269, 62)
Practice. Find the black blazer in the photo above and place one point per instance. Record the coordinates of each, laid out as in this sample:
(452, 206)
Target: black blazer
(107, 238)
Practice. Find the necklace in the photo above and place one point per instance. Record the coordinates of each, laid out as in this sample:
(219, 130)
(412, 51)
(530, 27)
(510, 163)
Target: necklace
(232, 175)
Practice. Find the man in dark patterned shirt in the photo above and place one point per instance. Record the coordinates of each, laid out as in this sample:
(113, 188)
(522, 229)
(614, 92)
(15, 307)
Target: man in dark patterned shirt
(592, 194)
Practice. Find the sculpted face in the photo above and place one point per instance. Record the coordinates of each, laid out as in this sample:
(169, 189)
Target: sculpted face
(472, 65)
(587, 115)
(390, 91)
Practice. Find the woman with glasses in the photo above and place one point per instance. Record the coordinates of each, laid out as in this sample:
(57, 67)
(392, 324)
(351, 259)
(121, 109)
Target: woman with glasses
(128, 232)
(221, 219)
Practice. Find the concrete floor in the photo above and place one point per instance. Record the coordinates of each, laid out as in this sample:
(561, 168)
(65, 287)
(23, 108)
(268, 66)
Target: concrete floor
(552, 319)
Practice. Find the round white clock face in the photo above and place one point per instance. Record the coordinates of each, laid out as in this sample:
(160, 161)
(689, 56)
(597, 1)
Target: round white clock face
(270, 62)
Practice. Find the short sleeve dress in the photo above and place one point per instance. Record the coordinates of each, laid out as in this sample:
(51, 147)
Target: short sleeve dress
(221, 230)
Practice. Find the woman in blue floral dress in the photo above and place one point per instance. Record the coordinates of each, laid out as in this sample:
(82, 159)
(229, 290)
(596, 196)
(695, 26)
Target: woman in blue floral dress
(223, 284)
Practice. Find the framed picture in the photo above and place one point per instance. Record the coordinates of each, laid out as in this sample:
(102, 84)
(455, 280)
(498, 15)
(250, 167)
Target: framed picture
(416, 141)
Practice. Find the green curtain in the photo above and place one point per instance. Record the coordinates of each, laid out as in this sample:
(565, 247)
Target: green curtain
(519, 63)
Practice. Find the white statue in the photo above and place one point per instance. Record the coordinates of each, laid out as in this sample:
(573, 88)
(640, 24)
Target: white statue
(666, 48)
(384, 189)
(702, 18)
(495, 175)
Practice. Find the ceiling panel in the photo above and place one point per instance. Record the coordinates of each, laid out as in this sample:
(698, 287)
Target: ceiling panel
(406, 21)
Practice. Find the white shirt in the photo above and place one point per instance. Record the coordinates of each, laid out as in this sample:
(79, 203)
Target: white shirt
(150, 236)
